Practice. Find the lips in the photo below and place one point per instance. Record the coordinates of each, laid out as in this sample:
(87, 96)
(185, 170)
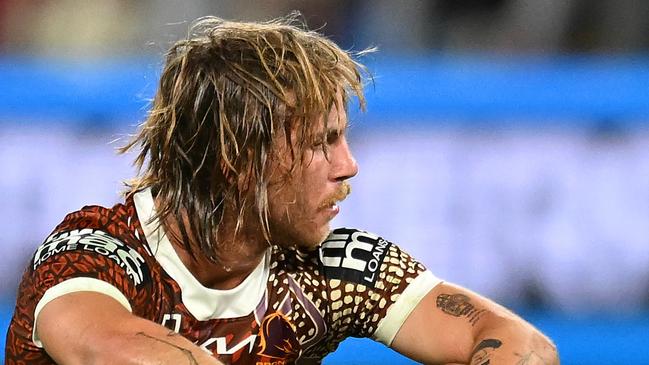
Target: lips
(332, 210)
(330, 205)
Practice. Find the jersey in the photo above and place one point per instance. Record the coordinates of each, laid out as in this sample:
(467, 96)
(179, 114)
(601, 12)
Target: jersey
(295, 307)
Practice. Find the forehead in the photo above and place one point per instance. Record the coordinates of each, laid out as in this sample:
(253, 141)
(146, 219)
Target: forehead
(336, 118)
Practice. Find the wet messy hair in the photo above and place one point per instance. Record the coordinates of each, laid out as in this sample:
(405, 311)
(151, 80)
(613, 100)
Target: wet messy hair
(226, 93)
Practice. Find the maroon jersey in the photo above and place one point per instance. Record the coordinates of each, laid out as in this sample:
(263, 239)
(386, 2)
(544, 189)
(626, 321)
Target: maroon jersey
(295, 307)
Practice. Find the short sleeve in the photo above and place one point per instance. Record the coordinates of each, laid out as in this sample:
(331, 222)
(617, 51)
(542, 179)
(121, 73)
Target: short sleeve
(373, 285)
(81, 260)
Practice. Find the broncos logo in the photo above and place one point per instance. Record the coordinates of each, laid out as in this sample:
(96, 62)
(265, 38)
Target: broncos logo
(278, 340)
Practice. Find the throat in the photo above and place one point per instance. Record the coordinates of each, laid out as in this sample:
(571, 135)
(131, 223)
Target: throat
(239, 253)
(223, 277)
(225, 274)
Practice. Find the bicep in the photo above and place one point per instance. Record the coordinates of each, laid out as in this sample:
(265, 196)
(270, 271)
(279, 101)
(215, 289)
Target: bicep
(443, 326)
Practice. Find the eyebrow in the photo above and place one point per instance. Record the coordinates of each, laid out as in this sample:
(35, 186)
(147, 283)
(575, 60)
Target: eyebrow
(345, 124)
(336, 131)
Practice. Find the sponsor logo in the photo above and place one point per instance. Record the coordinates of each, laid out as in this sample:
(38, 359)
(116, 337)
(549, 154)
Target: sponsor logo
(353, 255)
(96, 241)
(212, 345)
(220, 345)
(172, 321)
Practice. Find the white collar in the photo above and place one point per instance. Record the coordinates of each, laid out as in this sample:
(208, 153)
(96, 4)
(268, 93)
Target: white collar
(203, 303)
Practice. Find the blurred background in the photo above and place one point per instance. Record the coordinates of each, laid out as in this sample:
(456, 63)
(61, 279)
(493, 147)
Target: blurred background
(505, 143)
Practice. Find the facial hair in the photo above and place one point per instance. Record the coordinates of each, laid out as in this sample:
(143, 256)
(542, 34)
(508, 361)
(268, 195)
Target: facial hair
(339, 195)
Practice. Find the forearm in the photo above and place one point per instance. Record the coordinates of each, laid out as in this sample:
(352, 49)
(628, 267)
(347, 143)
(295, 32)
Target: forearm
(453, 325)
(153, 347)
(137, 348)
(101, 331)
(515, 343)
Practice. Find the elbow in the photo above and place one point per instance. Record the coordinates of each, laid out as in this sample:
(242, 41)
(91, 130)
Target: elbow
(541, 344)
(528, 339)
(549, 350)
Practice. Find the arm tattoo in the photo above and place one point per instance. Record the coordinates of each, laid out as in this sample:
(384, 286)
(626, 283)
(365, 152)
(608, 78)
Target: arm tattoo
(480, 355)
(459, 305)
(187, 353)
(530, 358)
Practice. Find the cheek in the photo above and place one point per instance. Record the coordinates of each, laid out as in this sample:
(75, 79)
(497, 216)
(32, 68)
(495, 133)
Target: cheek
(314, 176)
(299, 210)
(287, 204)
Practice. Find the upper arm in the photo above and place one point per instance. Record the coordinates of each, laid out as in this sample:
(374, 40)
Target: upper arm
(85, 260)
(445, 324)
(80, 286)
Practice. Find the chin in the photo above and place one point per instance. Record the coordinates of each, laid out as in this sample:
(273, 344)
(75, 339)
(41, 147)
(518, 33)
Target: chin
(322, 235)
(312, 239)
(305, 235)
(315, 243)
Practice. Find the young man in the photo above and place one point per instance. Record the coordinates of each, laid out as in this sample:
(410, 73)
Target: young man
(222, 251)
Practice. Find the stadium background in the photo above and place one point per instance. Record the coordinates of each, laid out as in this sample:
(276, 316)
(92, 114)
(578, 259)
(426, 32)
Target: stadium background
(505, 143)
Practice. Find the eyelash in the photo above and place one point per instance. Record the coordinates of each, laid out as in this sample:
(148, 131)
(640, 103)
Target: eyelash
(332, 138)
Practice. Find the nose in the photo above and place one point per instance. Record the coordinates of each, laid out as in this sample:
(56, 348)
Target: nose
(344, 164)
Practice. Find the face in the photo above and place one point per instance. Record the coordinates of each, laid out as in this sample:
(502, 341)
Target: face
(300, 209)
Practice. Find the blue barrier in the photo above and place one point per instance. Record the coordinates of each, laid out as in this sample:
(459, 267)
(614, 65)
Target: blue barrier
(6, 311)
(421, 89)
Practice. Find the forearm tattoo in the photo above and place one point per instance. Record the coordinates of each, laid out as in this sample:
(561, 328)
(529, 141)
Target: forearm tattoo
(459, 305)
(187, 353)
(482, 352)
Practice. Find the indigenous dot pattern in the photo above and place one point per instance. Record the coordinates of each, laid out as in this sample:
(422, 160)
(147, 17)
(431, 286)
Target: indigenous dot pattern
(356, 310)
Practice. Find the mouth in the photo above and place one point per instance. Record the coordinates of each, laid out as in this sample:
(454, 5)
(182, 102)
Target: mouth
(329, 212)
(330, 205)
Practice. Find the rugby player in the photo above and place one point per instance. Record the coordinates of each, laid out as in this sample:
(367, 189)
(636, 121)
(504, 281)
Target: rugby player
(222, 251)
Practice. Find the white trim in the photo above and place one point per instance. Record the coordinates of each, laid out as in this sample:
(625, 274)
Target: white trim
(72, 286)
(401, 309)
(202, 302)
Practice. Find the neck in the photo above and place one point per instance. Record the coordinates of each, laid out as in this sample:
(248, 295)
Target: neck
(239, 253)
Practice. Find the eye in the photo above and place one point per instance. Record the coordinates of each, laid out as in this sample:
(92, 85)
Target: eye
(332, 137)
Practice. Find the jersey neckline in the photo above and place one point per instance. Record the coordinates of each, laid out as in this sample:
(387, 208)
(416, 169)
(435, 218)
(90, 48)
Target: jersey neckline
(202, 302)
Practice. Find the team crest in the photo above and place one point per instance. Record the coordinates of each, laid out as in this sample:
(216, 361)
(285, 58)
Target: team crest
(277, 340)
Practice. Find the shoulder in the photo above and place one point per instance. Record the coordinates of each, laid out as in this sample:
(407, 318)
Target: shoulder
(356, 277)
(353, 255)
(116, 220)
(96, 236)
(95, 246)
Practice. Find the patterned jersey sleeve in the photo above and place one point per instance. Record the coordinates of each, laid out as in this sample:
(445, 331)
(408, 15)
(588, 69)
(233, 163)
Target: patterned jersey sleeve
(373, 285)
(79, 260)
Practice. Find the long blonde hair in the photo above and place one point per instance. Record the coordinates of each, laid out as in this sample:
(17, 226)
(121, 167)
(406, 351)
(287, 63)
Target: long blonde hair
(224, 93)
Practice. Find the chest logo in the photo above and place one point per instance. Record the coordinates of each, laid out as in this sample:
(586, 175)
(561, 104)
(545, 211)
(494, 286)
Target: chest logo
(278, 343)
